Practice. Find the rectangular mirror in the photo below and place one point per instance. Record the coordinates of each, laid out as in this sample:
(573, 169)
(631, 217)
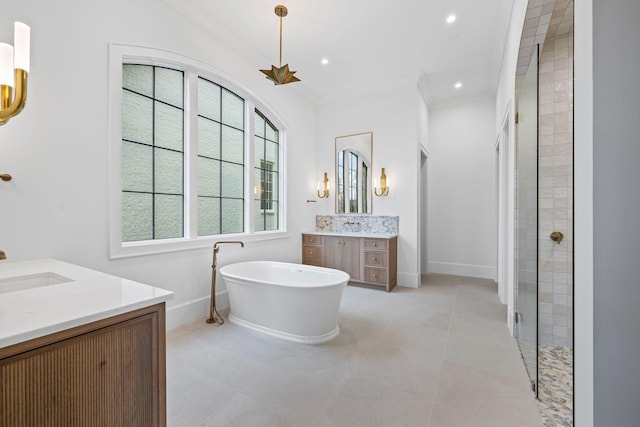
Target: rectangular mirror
(353, 155)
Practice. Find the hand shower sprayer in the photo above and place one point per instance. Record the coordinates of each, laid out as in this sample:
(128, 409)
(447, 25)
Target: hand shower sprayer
(214, 316)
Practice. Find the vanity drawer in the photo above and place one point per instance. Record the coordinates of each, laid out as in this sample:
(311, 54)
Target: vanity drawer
(312, 239)
(312, 253)
(378, 259)
(375, 275)
(375, 244)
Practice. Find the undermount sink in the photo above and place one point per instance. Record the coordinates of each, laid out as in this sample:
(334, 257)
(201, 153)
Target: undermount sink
(30, 281)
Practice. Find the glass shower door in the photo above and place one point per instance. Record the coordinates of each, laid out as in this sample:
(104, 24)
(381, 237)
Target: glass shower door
(526, 245)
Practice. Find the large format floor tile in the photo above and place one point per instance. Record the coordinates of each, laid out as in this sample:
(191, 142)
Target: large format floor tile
(435, 356)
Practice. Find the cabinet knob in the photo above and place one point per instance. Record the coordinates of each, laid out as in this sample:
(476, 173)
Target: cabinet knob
(375, 259)
(311, 251)
(375, 244)
(374, 275)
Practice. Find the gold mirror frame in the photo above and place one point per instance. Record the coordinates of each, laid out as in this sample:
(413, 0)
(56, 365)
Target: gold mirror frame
(361, 144)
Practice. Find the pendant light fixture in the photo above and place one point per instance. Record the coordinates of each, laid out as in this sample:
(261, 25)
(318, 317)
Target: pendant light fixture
(281, 75)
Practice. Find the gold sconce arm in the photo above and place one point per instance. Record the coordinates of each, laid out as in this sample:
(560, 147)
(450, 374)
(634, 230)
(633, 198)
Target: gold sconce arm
(12, 105)
(325, 187)
(384, 185)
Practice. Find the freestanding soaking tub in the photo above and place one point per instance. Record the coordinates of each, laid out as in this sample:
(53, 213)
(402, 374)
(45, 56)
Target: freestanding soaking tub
(291, 301)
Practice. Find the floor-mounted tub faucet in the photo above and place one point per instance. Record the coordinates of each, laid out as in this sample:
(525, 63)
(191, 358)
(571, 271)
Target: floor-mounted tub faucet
(214, 316)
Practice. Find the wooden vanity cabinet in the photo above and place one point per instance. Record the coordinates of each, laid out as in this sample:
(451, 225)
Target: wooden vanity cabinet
(106, 373)
(312, 249)
(368, 260)
(343, 253)
(380, 262)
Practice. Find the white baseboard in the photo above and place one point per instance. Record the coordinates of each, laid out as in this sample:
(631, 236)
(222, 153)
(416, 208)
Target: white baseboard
(195, 309)
(468, 270)
(409, 280)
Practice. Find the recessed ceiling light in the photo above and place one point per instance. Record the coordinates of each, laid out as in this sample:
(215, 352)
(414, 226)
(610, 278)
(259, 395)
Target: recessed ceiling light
(451, 19)
(324, 61)
(458, 85)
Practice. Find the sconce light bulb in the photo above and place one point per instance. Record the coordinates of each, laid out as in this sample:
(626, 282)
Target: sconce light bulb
(6, 64)
(22, 41)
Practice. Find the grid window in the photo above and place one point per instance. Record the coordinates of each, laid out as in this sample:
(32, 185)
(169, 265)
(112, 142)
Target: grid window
(186, 157)
(220, 160)
(341, 198)
(267, 153)
(353, 182)
(365, 187)
(152, 153)
(266, 184)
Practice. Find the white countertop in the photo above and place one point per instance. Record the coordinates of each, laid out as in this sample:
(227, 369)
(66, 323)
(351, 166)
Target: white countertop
(353, 234)
(89, 296)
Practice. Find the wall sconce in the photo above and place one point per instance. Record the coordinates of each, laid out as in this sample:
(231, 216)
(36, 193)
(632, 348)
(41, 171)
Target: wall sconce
(325, 187)
(14, 68)
(384, 185)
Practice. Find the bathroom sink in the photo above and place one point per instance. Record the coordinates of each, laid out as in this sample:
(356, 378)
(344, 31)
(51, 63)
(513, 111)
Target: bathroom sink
(30, 281)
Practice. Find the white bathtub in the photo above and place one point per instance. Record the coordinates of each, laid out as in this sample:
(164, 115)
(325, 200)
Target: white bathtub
(291, 301)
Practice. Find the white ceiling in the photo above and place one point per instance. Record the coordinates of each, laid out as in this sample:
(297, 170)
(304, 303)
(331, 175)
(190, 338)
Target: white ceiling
(369, 43)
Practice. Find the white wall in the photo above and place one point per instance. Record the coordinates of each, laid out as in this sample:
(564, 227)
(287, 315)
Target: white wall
(616, 209)
(57, 149)
(583, 211)
(392, 117)
(462, 199)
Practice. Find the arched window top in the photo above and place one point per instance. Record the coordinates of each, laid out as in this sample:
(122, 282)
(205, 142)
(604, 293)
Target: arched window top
(194, 157)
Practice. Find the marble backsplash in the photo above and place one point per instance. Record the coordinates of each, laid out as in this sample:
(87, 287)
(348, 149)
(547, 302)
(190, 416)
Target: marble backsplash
(357, 223)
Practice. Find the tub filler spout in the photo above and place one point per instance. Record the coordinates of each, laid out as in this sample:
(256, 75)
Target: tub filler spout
(214, 316)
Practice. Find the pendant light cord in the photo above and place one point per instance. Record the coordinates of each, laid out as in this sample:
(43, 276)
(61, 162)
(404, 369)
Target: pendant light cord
(281, 40)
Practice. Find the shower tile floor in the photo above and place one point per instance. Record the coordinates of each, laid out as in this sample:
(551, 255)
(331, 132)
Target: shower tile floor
(435, 356)
(555, 381)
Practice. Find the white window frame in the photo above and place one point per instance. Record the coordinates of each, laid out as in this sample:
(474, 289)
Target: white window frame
(119, 54)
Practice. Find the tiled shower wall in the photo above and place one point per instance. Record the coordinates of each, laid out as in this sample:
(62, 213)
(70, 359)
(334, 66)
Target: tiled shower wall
(555, 265)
